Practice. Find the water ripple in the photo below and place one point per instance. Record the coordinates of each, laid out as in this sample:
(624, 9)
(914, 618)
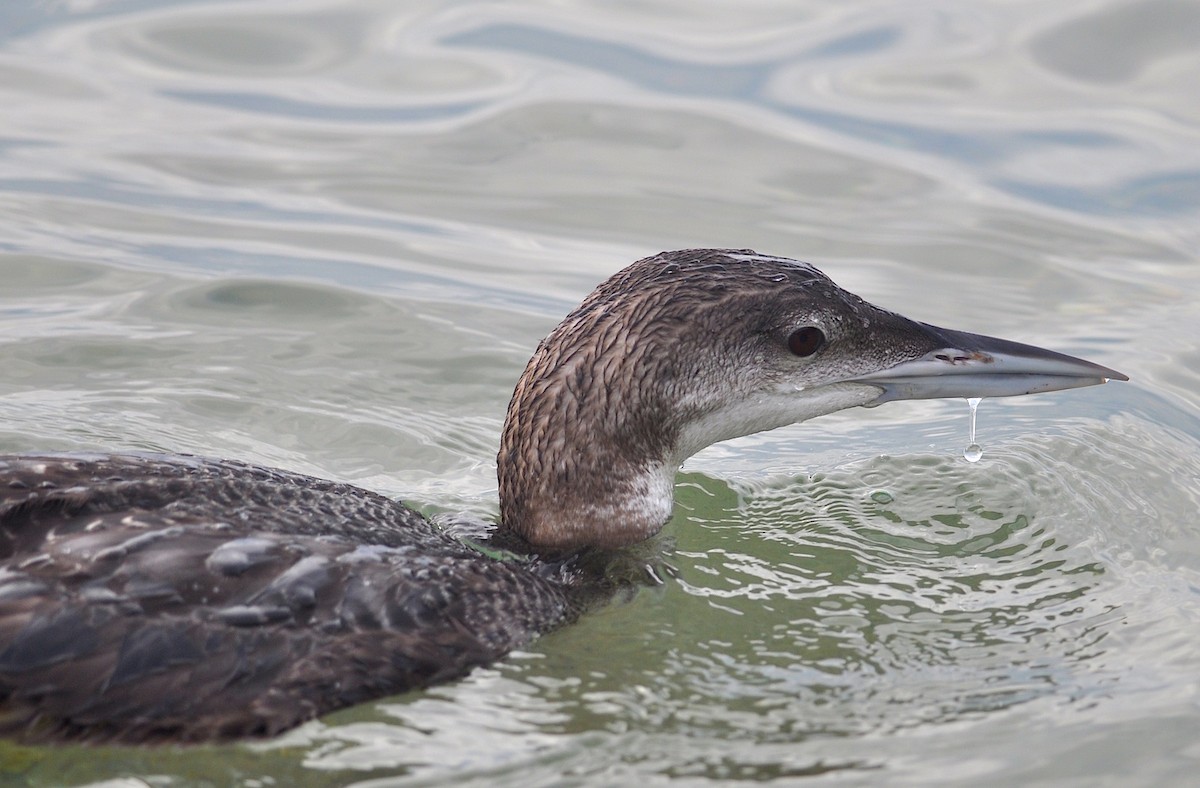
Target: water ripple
(326, 235)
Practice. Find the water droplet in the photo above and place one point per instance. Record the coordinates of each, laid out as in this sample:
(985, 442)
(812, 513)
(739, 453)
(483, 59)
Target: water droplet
(882, 496)
(973, 451)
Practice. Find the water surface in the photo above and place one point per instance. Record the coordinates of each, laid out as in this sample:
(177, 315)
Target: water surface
(326, 236)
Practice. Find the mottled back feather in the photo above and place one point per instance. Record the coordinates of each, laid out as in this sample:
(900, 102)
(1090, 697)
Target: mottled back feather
(128, 612)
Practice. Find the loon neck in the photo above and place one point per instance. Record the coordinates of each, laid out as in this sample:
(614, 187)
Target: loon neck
(587, 454)
(644, 373)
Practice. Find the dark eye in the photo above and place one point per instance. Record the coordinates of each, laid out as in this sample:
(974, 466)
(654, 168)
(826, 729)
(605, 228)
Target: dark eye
(805, 341)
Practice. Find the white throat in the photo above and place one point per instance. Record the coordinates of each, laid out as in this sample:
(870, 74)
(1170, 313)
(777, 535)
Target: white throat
(768, 410)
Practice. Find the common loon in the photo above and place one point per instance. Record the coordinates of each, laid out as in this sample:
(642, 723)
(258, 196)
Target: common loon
(156, 598)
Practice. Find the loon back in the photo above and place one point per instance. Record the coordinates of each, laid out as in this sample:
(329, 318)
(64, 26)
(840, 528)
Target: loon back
(156, 598)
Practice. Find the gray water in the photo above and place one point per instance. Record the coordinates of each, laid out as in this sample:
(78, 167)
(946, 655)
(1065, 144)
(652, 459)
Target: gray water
(326, 236)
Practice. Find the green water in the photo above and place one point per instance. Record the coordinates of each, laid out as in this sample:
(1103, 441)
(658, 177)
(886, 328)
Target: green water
(327, 235)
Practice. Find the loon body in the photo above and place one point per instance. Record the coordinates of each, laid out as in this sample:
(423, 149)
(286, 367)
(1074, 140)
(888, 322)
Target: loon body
(150, 598)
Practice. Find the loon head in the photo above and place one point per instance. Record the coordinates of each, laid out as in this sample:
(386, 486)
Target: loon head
(687, 348)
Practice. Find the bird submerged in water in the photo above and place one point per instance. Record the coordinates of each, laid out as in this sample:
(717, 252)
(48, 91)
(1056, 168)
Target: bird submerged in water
(152, 598)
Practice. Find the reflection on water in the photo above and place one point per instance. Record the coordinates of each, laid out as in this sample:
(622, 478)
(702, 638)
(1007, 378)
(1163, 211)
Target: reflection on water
(327, 236)
(900, 606)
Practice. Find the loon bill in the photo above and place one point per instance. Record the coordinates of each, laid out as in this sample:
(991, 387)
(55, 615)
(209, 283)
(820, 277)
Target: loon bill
(148, 598)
